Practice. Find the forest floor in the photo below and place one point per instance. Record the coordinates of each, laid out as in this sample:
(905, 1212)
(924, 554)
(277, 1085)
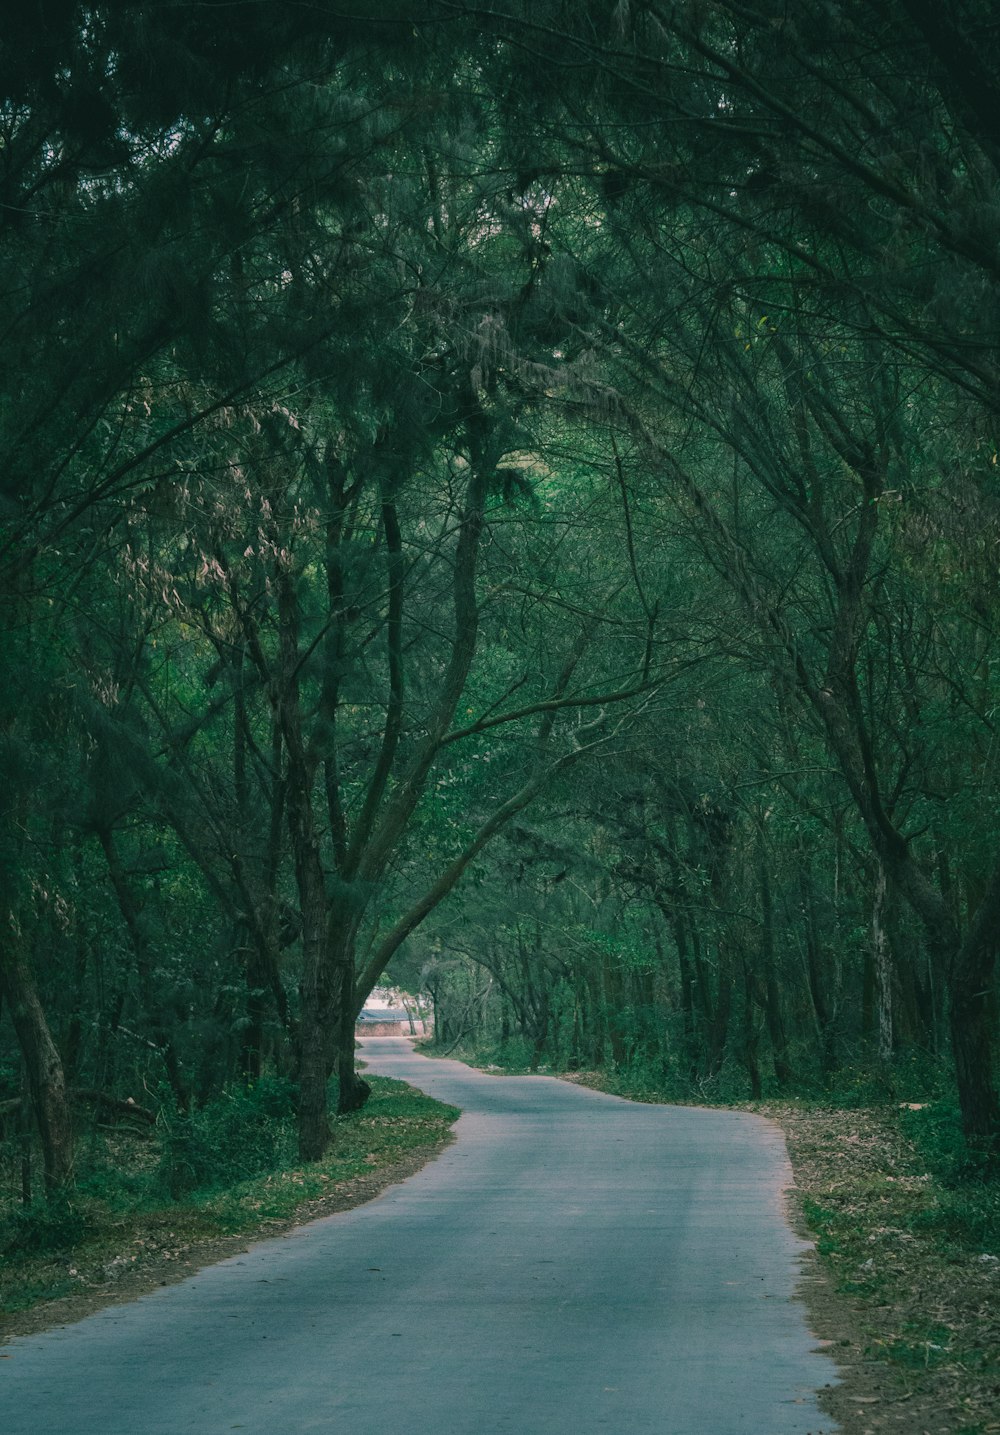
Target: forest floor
(908, 1296)
(904, 1283)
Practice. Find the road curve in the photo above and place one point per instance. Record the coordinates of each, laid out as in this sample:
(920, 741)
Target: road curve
(574, 1264)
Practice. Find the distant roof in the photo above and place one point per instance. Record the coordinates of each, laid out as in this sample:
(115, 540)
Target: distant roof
(383, 1014)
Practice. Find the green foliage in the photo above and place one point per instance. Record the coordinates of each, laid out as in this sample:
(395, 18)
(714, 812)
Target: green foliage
(44, 1226)
(394, 1121)
(935, 1128)
(268, 339)
(930, 1348)
(852, 1087)
(965, 1217)
(515, 1055)
(936, 1131)
(824, 1223)
(240, 1134)
(949, 1205)
(966, 1212)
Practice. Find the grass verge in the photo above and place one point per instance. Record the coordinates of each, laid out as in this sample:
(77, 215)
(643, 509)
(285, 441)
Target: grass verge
(119, 1234)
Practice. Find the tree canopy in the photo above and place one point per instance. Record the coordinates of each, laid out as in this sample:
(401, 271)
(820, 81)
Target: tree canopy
(503, 496)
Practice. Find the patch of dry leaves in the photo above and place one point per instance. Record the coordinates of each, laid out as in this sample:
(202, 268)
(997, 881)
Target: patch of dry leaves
(913, 1324)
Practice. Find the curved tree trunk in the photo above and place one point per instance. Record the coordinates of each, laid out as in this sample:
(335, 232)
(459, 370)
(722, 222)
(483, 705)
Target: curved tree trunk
(46, 1079)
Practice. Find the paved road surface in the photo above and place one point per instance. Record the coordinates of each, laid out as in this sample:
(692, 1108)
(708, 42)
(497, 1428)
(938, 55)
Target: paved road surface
(572, 1265)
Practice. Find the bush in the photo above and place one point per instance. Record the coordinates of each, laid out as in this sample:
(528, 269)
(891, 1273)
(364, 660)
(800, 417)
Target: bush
(936, 1132)
(966, 1210)
(967, 1218)
(44, 1226)
(241, 1134)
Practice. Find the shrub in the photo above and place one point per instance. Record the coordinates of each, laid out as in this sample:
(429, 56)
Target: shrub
(44, 1226)
(936, 1131)
(242, 1133)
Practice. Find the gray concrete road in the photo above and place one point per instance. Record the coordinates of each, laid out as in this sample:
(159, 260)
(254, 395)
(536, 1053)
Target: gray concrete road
(574, 1264)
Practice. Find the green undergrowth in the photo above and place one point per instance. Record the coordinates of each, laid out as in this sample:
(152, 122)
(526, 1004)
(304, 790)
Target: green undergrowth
(650, 1074)
(228, 1169)
(909, 1230)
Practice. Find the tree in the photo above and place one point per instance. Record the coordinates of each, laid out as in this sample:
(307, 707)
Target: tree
(393, 422)
(800, 188)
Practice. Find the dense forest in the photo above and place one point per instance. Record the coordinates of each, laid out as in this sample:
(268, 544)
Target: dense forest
(502, 497)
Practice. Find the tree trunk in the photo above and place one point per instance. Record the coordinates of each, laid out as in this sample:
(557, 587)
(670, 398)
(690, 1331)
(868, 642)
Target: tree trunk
(46, 1080)
(129, 909)
(882, 965)
(719, 1030)
(611, 988)
(689, 1016)
(815, 975)
(316, 1014)
(773, 1013)
(972, 1039)
(750, 1035)
(354, 1091)
(25, 1127)
(252, 1037)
